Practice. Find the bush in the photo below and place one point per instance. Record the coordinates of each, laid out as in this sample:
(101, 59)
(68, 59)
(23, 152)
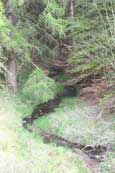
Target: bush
(39, 88)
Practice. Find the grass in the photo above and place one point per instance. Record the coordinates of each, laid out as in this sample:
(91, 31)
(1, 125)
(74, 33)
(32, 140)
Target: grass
(21, 151)
(76, 122)
(108, 166)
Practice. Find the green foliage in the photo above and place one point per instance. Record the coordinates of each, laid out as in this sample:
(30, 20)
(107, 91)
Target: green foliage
(2, 59)
(92, 31)
(39, 88)
(50, 27)
(2, 34)
(39, 27)
(11, 36)
(31, 33)
(52, 18)
(78, 57)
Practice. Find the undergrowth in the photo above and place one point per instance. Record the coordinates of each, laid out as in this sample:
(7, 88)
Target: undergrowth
(92, 31)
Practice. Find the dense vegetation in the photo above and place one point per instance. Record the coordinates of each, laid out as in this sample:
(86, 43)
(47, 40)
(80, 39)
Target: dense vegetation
(50, 49)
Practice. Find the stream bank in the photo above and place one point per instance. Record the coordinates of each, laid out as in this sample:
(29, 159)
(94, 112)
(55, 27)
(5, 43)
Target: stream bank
(93, 154)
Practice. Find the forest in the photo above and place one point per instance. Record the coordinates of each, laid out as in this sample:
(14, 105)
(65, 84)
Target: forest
(57, 86)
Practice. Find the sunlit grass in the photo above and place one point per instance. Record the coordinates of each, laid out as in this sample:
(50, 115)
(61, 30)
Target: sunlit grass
(21, 151)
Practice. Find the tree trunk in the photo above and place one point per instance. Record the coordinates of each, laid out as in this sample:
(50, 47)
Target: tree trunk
(70, 8)
(11, 76)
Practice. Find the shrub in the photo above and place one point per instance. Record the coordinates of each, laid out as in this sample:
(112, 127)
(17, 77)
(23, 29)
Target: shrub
(39, 88)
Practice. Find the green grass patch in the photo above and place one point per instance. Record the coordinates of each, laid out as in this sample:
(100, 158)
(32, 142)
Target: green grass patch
(21, 151)
(108, 166)
(75, 121)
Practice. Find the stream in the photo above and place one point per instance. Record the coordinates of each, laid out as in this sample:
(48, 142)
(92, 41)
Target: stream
(93, 154)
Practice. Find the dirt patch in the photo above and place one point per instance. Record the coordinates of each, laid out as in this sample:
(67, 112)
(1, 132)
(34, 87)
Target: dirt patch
(93, 90)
